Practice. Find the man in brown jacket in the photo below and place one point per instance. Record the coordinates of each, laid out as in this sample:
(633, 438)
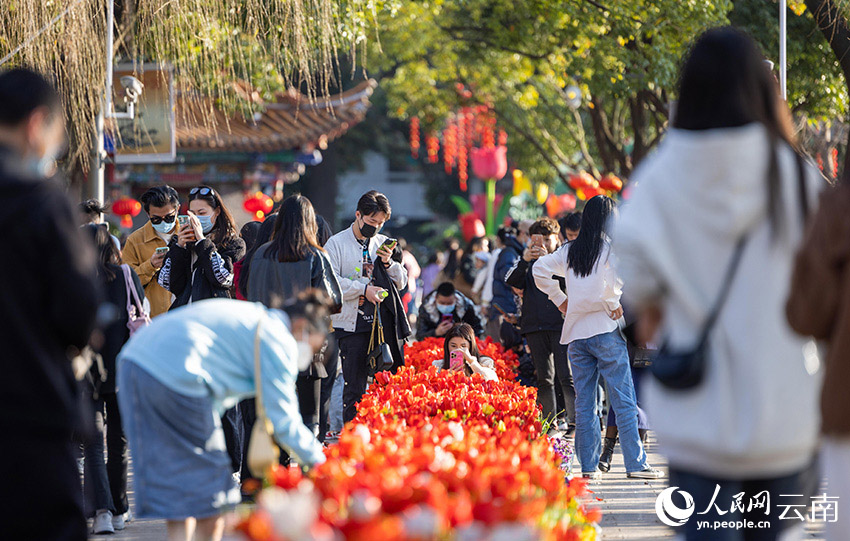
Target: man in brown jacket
(819, 306)
(161, 204)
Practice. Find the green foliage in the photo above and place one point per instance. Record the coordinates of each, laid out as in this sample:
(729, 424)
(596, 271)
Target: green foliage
(815, 84)
(519, 56)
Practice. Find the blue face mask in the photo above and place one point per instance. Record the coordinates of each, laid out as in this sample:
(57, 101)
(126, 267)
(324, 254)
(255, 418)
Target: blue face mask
(446, 309)
(164, 227)
(206, 223)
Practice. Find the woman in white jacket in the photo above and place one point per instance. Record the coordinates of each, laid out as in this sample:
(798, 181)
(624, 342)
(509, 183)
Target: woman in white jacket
(726, 172)
(592, 308)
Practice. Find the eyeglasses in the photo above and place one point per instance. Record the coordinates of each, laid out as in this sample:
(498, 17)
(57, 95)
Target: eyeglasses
(203, 191)
(156, 220)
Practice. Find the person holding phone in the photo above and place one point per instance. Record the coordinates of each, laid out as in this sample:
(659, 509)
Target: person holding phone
(199, 262)
(460, 353)
(369, 278)
(146, 247)
(445, 307)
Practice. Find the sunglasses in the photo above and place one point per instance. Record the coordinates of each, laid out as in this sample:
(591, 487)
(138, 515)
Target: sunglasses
(203, 191)
(156, 220)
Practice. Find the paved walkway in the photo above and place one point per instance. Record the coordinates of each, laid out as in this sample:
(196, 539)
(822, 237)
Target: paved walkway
(627, 505)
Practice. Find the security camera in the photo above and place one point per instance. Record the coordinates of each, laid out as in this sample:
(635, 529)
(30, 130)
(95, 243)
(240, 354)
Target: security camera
(133, 88)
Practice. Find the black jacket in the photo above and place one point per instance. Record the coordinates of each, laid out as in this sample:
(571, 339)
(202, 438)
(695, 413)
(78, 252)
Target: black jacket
(538, 312)
(211, 276)
(502, 294)
(272, 280)
(48, 304)
(116, 333)
(429, 317)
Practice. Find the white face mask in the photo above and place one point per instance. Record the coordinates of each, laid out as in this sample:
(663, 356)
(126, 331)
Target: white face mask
(305, 352)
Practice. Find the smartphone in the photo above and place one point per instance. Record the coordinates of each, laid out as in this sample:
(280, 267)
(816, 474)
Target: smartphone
(163, 250)
(183, 220)
(537, 240)
(390, 243)
(447, 317)
(455, 360)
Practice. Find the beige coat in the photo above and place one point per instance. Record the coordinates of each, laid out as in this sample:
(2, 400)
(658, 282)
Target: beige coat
(140, 246)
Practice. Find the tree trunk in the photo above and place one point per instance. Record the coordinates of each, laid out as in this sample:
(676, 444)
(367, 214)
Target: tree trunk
(320, 185)
(833, 25)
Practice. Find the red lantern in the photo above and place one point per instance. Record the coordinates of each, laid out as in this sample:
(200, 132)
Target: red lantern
(471, 226)
(432, 147)
(258, 204)
(593, 191)
(557, 204)
(490, 163)
(414, 137)
(611, 183)
(128, 209)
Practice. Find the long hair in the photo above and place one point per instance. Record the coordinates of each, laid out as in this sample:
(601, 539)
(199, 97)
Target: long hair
(461, 330)
(725, 82)
(294, 231)
(107, 252)
(264, 235)
(585, 250)
(224, 227)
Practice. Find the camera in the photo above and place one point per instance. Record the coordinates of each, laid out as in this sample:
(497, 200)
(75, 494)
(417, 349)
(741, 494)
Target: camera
(133, 88)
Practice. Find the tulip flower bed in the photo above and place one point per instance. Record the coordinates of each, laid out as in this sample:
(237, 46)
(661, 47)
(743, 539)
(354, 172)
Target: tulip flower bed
(431, 455)
(423, 353)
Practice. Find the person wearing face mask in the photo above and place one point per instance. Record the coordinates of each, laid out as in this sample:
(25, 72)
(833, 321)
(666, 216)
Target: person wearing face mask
(291, 263)
(200, 258)
(179, 374)
(369, 278)
(50, 299)
(144, 249)
(445, 307)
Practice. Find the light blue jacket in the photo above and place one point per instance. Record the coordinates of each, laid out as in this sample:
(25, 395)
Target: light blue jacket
(207, 349)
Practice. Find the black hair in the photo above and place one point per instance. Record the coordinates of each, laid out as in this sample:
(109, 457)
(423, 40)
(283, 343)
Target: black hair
(264, 235)
(453, 259)
(249, 234)
(585, 250)
(465, 331)
(314, 305)
(324, 231)
(91, 208)
(294, 231)
(475, 242)
(446, 289)
(22, 91)
(725, 82)
(108, 256)
(224, 227)
(160, 196)
(372, 202)
(570, 222)
(506, 231)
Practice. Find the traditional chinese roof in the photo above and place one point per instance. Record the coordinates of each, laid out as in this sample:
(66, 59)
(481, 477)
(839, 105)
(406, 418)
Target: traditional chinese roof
(292, 121)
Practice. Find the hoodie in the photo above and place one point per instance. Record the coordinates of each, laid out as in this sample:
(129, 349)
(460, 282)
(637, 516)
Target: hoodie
(693, 200)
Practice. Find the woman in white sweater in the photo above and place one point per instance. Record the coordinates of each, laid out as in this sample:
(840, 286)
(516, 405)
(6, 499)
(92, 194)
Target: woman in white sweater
(592, 308)
(726, 172)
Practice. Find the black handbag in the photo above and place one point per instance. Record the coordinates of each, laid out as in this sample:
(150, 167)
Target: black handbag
(380, 357)
(685, 369)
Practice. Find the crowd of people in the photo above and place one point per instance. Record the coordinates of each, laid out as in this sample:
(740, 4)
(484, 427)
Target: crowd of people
(194, 337)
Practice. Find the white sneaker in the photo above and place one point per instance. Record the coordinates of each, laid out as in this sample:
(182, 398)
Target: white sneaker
(648, 473)
(102, 522)
(119, 522)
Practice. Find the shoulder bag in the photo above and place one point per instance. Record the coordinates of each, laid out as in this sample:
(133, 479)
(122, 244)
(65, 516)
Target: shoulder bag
(685, 369)
(262, 450)
(380, 357)
(137, 318)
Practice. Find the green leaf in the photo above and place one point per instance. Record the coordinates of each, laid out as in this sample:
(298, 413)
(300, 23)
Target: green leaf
(463, 206)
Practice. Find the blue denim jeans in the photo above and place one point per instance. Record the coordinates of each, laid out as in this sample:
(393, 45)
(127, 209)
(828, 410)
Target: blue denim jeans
(605, 354)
